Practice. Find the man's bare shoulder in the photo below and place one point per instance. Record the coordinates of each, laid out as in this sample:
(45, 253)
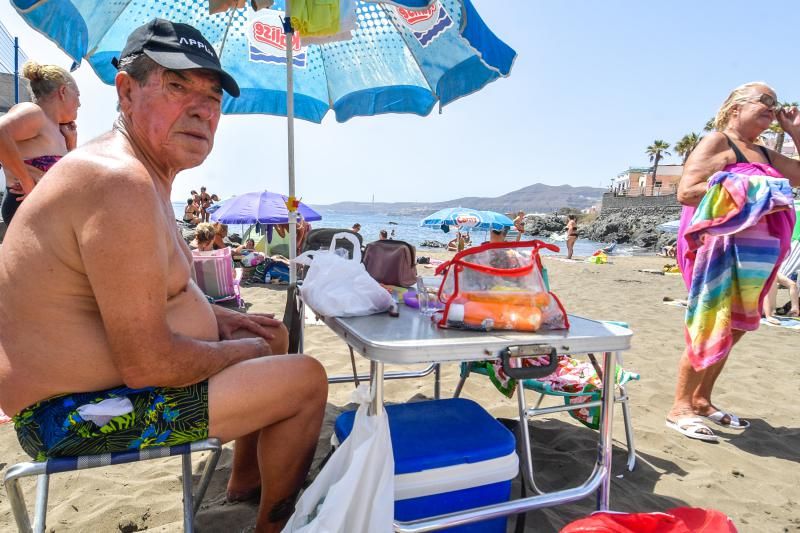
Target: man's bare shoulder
(103, 169)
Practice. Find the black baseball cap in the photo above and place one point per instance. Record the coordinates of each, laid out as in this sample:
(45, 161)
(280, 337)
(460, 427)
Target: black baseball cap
(176, 46)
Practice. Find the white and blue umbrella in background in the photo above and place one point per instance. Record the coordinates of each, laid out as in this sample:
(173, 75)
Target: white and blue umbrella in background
(404, 57)
(259, 207)
(465, 218)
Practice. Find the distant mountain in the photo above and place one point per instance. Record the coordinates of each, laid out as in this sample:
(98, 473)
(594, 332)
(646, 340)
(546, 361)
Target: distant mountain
(536, 198)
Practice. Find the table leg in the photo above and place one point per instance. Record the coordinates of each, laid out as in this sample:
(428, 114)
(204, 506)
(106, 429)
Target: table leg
(525, 437)
(606, 417)
(376, 386)
(437, 381)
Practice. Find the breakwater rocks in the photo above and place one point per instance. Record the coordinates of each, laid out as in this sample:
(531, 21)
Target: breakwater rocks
(635, 226)
(432, 244)
(544, 226)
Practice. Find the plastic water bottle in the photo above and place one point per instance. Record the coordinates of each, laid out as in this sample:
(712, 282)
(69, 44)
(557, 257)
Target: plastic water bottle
(267, 277)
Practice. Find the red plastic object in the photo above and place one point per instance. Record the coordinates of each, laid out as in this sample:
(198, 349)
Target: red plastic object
(677, 520)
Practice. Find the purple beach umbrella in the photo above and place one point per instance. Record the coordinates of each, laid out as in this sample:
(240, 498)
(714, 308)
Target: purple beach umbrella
(264, 207)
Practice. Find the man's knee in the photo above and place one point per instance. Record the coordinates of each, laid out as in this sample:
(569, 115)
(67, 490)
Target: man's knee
(280, 343)
(313, 375)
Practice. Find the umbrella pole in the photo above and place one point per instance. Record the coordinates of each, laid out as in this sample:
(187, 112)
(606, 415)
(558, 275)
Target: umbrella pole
(289, 32)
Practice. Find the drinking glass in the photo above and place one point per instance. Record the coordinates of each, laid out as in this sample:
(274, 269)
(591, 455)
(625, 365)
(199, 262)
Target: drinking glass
(428, 295)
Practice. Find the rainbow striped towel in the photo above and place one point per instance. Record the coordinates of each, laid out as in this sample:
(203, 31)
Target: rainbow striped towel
(740, 232)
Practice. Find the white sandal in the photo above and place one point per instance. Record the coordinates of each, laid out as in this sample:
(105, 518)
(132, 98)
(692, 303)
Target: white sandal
(718, 418)
(693, 427)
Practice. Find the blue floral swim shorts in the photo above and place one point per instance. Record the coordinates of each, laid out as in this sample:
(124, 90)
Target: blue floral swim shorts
(158, 416)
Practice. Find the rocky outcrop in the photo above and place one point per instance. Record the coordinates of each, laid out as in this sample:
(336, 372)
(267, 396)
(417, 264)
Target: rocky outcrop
(544, 226)
(636, 226)
(187, 232)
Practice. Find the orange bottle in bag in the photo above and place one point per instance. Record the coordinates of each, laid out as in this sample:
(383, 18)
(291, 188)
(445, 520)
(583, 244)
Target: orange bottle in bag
(523, 298)
(495, 315)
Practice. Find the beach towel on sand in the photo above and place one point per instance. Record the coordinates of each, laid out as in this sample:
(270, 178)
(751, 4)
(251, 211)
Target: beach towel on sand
(728, 249)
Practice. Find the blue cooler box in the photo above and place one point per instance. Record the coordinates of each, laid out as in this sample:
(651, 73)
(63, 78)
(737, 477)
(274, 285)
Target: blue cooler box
(449, 455)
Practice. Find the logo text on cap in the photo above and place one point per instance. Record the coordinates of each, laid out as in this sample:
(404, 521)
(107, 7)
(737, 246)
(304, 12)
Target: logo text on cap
(197, 44)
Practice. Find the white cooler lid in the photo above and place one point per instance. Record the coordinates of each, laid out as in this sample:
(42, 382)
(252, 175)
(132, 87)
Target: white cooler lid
(455, 477)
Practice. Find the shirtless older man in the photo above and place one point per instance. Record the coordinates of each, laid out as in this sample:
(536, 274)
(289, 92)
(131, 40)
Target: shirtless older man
(95, 307)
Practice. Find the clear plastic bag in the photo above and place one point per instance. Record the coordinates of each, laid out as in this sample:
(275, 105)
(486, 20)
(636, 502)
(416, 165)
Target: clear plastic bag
(499, 286)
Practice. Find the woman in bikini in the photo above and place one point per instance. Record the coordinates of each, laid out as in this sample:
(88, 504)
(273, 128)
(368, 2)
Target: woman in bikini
(191, 212)
(744, 116)
(35, 135)
(572, 234)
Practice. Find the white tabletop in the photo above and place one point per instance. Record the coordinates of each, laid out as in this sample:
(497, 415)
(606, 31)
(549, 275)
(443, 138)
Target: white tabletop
(413, 338)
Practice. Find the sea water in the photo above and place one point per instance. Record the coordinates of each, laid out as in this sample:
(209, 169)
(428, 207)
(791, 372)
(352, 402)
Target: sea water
(407, 228)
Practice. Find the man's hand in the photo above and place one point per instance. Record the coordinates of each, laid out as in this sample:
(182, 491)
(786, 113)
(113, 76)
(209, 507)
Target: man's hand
(231, 322)
(70, 132)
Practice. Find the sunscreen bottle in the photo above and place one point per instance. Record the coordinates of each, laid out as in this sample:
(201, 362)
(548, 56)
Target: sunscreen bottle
(492, 315)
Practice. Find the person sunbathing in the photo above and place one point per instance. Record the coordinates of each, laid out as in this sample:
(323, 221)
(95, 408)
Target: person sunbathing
(248, 246)
(668, 251)
(220, 234)
(769, 300)
(204, 237)
(191, 213)
(100, 308)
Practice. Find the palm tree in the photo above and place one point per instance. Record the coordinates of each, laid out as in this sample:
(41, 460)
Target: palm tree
(687, 143)
(656, 151)
(710, 124)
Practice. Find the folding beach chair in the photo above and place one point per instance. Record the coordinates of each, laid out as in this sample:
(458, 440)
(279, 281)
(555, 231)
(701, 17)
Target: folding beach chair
(320, 239)
(214, 273)
(572, 400)
(43, 470)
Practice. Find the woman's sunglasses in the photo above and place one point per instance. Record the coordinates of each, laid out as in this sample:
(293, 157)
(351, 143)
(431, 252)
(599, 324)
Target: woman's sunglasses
(769, 101)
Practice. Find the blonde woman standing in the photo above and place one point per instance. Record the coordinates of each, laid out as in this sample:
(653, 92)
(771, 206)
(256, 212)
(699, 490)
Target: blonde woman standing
(35, 135)
(734, 148)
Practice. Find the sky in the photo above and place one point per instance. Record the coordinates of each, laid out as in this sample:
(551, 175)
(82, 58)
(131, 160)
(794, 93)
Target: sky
(593, 85)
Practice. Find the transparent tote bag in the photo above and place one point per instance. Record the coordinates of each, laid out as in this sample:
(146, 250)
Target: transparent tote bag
(499, 286)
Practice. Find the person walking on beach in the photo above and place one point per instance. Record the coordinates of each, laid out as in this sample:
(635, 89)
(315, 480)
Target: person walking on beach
(716, 320)
(34, 135)
(519, 224)
(135, 325)
(356, 227)
(572, 234)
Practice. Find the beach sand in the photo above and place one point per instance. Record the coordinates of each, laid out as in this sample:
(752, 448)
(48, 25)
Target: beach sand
(752, 476)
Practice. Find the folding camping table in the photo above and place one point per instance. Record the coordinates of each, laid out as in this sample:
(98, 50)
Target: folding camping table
(413, 338)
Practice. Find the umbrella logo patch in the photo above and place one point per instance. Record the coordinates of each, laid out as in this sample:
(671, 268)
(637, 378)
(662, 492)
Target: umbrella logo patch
(267, 42)
(426, 24)
(467, 221)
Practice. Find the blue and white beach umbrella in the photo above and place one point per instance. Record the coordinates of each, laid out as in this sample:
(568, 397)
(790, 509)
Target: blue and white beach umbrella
(404, 57)
(466, 218)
